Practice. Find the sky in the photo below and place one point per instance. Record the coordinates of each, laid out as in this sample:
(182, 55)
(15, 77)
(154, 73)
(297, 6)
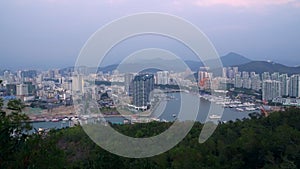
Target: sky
(47, 34)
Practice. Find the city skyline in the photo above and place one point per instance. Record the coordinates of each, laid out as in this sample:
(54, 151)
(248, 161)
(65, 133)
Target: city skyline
(42, 34)
(150, 84)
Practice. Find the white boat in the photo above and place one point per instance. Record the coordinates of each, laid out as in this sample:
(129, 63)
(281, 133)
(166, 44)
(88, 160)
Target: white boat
(248, 104)
(65, 119)
(232, 106)
(240, 109)
(155, 119)
(126, 121)
(250, 108)
(74, 119)
(55, 120)
(237, 102)
(214, 116)
(164, 120)
(174, 115)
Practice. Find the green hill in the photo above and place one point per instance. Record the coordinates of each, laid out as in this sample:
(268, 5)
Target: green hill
(270, 143)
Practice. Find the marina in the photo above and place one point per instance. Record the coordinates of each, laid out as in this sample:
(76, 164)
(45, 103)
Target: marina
(236, 104)
(169, 114)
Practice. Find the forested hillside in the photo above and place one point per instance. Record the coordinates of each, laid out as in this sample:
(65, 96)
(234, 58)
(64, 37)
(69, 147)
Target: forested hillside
(259, 142)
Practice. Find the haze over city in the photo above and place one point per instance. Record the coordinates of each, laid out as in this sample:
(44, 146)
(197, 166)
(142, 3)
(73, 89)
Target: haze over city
(137, 84)
(50, 33)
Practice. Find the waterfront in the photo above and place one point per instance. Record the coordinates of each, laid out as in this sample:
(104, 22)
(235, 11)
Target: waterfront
(173, 106)
(171, 109)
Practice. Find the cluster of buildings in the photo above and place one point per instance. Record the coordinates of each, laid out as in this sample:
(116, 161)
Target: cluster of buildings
(58, 86)
(48, 87)
(139, 86)
(272, 85)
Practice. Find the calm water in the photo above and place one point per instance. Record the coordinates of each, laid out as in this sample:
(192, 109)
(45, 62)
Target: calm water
(170, 108)
(64, 124)
(49, 125)
(173, 107)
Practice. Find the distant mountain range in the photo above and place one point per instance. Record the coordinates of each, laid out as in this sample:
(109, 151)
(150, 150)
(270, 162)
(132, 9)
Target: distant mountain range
(263, 66)
(231, 59)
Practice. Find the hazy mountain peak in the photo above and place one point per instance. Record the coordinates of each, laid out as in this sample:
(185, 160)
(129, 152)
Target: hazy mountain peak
(234, 59)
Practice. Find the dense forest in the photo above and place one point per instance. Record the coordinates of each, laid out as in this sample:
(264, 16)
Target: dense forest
(258, 142)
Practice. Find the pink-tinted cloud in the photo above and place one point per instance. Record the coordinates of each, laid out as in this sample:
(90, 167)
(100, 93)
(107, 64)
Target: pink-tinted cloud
(245, 3)
(183, 3)
(297, 4)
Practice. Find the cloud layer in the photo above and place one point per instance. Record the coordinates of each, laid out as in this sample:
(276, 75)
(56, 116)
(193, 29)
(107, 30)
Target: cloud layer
(247, 3)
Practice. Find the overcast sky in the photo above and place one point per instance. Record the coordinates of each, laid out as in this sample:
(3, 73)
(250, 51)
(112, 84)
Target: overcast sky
(50, 33)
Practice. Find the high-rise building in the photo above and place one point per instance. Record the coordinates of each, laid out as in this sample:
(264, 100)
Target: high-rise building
(246, 80)
(202, 75)
(284, 79)
(163, 77)
(128, 83)
(11, 89)
(204, 79)
(31, 88)
(143, 84)
(245, 75)
(275, 76)
(51, 74)
(22, 89)
(295, 86)
(238, 82)
(255, 82)
(224, 72)
(77, 83)
(247, 83)
(235, 70)
(6, 75)
(271, 89)
(252, 74)
(28, 73)
(230, 72)
(265, 76)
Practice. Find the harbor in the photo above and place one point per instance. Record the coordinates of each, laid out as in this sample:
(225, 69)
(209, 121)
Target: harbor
(234, 104)
(58, 118)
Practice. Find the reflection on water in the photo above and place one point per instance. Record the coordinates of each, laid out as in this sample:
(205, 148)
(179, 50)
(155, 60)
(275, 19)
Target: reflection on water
(173, 108)
(170, 113)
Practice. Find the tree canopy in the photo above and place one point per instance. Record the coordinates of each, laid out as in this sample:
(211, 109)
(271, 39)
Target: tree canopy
(271, 142)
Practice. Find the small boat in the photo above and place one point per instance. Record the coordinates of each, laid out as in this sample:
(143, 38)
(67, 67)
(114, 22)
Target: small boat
(126, 121)
(174, 115)
(250, 108)
(232, 106)
(65, 119)
(155, 119)
(214, 116)
(74, 118)
(55, 120)
(164, 120)
(40, 130)
(240, 109)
